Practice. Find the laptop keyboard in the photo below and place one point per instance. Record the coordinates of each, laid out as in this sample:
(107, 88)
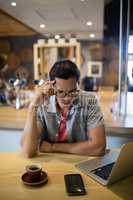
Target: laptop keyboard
(104, 171)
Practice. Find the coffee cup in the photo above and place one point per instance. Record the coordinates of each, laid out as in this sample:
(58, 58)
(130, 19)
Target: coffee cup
(34, 171)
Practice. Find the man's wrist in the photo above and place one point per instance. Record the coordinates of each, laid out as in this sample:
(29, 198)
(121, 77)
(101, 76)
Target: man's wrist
(33, 106)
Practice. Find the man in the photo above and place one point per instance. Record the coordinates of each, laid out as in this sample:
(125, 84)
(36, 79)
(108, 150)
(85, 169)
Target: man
(61, 118)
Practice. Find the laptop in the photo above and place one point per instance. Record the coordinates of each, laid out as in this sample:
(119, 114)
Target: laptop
(111, 167)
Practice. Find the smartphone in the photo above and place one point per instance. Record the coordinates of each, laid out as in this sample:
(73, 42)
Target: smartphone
(74, 184)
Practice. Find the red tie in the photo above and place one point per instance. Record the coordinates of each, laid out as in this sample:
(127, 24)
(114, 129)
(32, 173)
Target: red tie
(62, 135)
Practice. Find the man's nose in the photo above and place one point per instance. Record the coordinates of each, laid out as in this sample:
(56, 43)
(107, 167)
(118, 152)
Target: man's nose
(67, 97)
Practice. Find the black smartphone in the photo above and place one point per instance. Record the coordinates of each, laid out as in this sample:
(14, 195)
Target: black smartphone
(74, 184)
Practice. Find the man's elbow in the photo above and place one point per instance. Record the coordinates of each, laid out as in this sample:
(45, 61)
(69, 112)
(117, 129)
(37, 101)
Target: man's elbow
(28, 153)
(100, 150)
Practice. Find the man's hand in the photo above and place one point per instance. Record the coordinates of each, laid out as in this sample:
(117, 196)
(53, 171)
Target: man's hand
(45, 147)
(44, 91)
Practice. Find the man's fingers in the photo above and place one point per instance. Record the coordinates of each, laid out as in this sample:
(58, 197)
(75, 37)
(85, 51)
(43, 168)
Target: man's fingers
(47, 83)
(52, 81)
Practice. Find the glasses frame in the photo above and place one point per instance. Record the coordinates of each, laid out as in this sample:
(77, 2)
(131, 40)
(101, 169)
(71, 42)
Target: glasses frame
(71, 94)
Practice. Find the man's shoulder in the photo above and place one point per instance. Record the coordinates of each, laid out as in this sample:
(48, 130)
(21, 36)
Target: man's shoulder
(86, 96)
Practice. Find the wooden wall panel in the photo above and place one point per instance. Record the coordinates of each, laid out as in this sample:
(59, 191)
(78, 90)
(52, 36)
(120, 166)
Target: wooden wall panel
(10, 26)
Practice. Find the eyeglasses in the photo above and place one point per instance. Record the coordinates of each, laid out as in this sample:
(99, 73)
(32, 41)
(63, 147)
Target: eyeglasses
(62, 94)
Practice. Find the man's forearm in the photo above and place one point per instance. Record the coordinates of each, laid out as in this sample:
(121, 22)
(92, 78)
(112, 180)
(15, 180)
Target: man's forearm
(30, 136)
(82, 148)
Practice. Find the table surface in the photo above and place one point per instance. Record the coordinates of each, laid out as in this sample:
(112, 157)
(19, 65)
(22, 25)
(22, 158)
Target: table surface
(56, 165)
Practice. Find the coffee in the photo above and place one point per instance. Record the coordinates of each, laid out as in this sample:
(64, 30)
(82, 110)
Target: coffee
(33, 168)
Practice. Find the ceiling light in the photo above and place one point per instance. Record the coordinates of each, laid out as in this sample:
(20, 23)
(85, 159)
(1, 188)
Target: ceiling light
(92, 35)
(13, 4)
(89, 23)
(57, 37)
(82, 0)
(42, 25)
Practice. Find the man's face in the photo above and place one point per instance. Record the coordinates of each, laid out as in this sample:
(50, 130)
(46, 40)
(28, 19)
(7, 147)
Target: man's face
(66, 92)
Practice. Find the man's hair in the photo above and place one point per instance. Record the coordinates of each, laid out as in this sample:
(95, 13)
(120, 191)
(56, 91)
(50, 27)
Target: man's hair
(64, 69)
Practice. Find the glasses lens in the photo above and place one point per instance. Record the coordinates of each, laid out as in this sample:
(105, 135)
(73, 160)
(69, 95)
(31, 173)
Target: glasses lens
(74, 93)
(61, 94)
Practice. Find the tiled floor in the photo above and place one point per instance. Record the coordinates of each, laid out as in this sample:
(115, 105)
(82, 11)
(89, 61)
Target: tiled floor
(10, 140)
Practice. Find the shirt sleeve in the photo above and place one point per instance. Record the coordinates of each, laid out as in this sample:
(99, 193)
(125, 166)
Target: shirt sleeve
(40, 118)
(40, 113)
(94, 114)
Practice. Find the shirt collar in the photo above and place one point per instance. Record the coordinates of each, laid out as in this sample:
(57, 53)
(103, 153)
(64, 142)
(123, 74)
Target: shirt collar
(51, 107)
